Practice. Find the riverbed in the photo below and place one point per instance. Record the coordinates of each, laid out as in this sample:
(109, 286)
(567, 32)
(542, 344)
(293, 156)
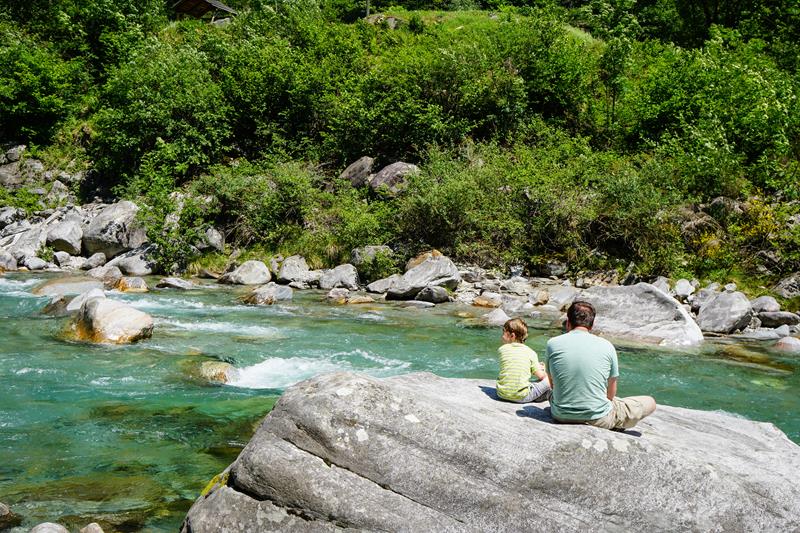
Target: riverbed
(128, 436)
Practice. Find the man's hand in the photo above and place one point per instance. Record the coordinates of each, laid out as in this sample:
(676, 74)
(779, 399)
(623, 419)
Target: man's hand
(612, 388)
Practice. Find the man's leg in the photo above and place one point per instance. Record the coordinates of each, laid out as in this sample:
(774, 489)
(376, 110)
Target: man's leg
(629, 411)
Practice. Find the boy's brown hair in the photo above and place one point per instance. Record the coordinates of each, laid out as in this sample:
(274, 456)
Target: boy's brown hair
(517, 328)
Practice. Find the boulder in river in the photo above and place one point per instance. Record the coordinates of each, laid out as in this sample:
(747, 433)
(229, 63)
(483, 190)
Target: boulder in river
(774, 319)
(269, 294)
(102, 320)
(341, 276)
(348, 451)
(175, 283)
(138, 262)
(642, 312)
(7, 261)
(725, 313)
(383, 285)
(7, 518)
(788, 344)
(498, 317)
(293, 268)
(435, 295)
(131, 284)
(67, 286)
(217, 371)
(49, 527)
(438, 271)
(248, 273)
(114, 230)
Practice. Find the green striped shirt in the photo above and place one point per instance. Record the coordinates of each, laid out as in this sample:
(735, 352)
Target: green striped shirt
(517, 364)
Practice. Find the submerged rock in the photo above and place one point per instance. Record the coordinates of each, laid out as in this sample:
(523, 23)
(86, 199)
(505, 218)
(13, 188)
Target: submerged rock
(49, 527)
(644, 313)
(107, 321)
(788, 344)
(217, 371)
(175, 283)
(94, 527)
(498, 317)
(67, 286)
(348, 451)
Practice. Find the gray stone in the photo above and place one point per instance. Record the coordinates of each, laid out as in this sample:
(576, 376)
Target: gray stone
(788, 287)
(366, 254)
(788, 344)
(114, 230)
(553, 269)
(249, 273)
(269, 294)
(358, 173)
(7, 261)
(94, 261)
(105, 272)
(66, 237)
(131, 284)
(31, 169)
(175, 283)
(435, 295)
(67, 286)
(683, 288)
(517, 285)
(642, 312)
(14, 153)
(77, 302)
(16, 227)
(393, 178)
(417, 304)
(395, 454)
(9, 215)
(101, 320)
(662, 284)
(211, 239)
(7, 518)
(765, 304)
(562, 297)
(383, 285)
(34, 263)
(58, 193)
(472, 274)
(293, 268)
(341, 276)
(774, 319)
(730, 287)
(10, 176)
(94, 527)
(497, 317)
(338, 295)
(25, 243)
(725, 313)
(701, 297)
(136, 262)
(435, 271)
(49, 527)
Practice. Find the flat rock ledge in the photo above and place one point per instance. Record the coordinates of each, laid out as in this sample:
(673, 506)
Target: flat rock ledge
(422, 453)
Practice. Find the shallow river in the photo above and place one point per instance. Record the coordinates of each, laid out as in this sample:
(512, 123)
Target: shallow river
(126, 436)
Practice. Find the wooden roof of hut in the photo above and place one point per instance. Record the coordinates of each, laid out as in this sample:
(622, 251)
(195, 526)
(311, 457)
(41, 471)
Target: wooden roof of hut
(198, 8)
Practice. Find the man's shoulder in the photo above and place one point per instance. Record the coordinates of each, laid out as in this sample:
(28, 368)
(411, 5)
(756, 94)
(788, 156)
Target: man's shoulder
(587, 338)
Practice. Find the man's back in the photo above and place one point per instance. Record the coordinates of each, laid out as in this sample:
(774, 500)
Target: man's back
(580, 365)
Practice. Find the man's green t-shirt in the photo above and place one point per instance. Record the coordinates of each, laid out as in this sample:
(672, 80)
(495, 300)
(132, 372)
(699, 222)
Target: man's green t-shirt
(580, 364)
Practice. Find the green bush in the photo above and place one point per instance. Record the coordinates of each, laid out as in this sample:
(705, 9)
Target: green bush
(166, 99)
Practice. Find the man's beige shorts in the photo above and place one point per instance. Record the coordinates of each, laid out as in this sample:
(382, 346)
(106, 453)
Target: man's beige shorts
(625, 413)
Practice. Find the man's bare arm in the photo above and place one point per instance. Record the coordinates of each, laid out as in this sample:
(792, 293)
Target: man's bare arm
(550, 379)
(612, 388)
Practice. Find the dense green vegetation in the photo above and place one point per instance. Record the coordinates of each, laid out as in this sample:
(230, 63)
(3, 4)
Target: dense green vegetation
(585, 131)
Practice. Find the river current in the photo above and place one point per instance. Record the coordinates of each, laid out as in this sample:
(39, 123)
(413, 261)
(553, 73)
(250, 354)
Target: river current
(128, 436)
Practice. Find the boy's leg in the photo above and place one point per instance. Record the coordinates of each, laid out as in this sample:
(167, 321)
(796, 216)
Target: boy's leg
(629, 411)
(540, 391)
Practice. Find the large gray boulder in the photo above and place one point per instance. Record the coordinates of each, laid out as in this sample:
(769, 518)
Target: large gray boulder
(66, 236)
(9, 215)
(765, 304)
(383, 285)
(358, 173)
(269, 294)
(25, 243)
(642, 312)
(293, 268)
(393, 178)
(7, 261)
(435, 271)
(248, 273)
(434, 295)
(788, 287)
(114, 230)
(49, 527)
(725, 313)
(175, 283)
(774, 319)
(67, 286)
(341, 276)
(138, 262)
(350, 452)
(101, 320)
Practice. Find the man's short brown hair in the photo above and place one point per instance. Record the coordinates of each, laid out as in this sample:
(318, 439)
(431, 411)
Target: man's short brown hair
(581, 314)
(517, 328)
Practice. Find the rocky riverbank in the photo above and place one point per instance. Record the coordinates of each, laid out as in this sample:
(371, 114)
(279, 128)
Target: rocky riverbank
(419, 452)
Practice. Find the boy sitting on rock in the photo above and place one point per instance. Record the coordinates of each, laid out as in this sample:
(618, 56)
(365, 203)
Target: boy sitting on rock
(517, 364)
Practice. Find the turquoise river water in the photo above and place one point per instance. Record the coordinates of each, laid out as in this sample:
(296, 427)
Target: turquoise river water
(128, 436)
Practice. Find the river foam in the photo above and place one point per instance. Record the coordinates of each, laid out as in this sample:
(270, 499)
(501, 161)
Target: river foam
(278, 373)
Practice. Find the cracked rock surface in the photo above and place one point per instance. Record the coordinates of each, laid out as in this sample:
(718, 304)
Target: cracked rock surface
(418, 452)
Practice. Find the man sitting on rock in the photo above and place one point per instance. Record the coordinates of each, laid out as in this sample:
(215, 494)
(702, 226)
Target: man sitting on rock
(583, 371)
